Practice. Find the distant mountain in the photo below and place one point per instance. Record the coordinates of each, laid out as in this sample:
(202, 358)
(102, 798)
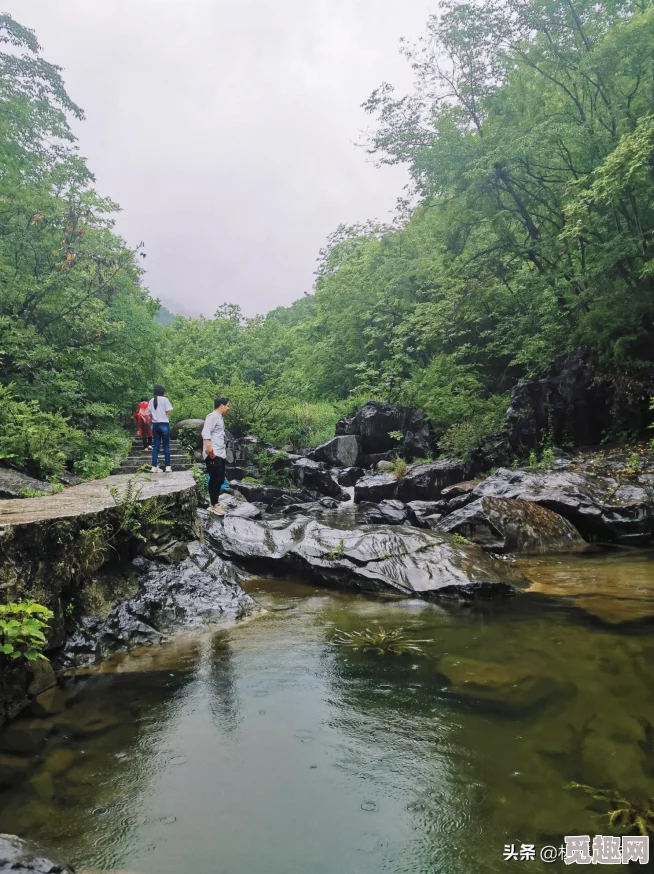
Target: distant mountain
(164, 317)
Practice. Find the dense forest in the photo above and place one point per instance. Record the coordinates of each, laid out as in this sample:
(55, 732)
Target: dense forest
(526, 233)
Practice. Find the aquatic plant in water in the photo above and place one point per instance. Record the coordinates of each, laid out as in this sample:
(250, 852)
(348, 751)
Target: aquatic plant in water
(378, 640)
(623, 815)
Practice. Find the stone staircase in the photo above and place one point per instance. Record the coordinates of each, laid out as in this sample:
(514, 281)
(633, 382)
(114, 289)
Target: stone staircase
(179, 460)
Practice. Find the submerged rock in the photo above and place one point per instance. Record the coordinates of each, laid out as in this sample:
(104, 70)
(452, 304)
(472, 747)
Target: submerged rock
(24, 857)
(513, 525)
(599, 507)
(191, 595)
(511, 690)
(405, 561)
(341, 451)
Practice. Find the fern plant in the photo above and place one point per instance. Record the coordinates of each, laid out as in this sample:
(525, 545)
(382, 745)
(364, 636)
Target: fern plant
(134, 512)
(22, 627)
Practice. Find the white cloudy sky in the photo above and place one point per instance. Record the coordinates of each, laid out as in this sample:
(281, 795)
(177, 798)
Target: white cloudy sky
(226, 129)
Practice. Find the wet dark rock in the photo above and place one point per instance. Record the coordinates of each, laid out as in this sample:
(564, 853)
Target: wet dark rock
(13, 484)
(235, 507)
(373, 423)
(513, 525)
(459, 489)
(342, 451)
(402, 560)
(426, 509)
(24, 857)
(599, 507)
(381, 487)
(193, 594)
(320, 506)
(373, 461)
(271, 496)
(42, 677)
(425, 482)
(315, 476)
(459, 502)
(432, 520)
(386, 513)
(348, 476)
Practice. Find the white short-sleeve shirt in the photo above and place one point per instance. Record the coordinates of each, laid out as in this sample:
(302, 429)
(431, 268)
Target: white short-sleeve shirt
(163, 408)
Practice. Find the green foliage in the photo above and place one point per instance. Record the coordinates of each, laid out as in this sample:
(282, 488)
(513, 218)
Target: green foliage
(624, 816)
(77, 334)
(634, 463)
(200, 476)
(188, 438)
(337, 553)
(90, 550)
(265, 463)
(22, 627)
(400, 468)
(547, 462)
(459, 538)
(136, 514)
(379, 641)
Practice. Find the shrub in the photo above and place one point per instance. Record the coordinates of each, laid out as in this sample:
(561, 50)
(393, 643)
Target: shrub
(31, 437)
(21, 630)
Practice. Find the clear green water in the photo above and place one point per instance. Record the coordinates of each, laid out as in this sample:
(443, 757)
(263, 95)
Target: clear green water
(265, 749)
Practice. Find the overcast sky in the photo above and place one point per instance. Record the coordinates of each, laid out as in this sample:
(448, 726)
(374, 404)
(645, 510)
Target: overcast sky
(225, 129)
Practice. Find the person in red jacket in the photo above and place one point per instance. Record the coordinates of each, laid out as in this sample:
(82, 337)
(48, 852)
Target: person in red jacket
(144, 423)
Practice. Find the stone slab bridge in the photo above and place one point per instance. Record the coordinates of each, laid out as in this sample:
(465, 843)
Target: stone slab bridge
(90, 498)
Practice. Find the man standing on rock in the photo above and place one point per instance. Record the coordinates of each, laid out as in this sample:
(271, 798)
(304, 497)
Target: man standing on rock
(214, 451)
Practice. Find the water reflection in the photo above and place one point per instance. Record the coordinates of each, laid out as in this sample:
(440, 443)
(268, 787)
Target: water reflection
(268, 749)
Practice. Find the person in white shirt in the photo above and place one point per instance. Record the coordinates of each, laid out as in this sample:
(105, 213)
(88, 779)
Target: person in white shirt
(214, 451)
(160, 409)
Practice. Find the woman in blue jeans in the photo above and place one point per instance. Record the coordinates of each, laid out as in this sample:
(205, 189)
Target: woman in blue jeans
(160, 409)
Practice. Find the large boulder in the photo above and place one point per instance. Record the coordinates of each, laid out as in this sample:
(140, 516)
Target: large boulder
(382, 487)
(575, 404)
(195, 425)
(404, 561)
(342, 451)
(513, 525)
(198, 592)
(387, 513)
(315, 476)
(271, 496)
(426, 482)
(374, 423)
(600, 508)
(348, 476)
(14, 484)
(24, 857)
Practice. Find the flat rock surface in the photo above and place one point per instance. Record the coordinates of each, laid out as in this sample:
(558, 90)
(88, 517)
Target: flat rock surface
(91, 497)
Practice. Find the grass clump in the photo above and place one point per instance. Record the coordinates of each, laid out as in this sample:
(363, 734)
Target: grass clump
(623, 815)
(380, 641)
(400, 468)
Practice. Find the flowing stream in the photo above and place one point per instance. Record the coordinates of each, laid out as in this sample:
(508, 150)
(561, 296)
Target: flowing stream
(267, 749)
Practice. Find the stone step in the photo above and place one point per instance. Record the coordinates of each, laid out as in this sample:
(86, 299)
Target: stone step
(134, 465)
(135, 456)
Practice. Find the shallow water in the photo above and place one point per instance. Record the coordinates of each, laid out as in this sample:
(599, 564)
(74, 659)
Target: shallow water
(266, 749)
